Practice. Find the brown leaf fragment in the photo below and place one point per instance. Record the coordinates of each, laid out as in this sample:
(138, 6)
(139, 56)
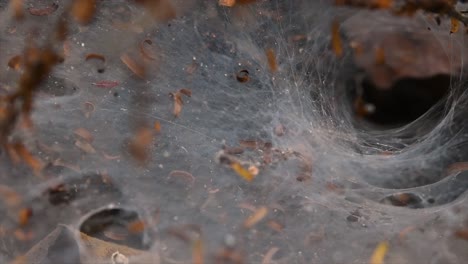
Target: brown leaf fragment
(95, 56)
(15, 62)
(178, 102)
(9, 196)
(23, 235)
(456, 167)
(454, 25)
(336, 42)
(268, 257)
(275, 226)
(462, 234)
(85, 146)
(61, 31)
(403, 233)
(271, 58)
(256, 217)
(198, 252)
(241, 171)
(84, 134)
(233, 150)
(34, 163)
(83, 10)
(380, 56)
(140, 144)
(24, 215)
(43, 11)
(186, 92)
(371, 4)
(228, 3)
(157, 127)
(183, 175)
(17, 8)
(136, 67)
(379, 253)
(245, 2)
(255, 144)
(161, 10)
(106, 84)
(229, 255)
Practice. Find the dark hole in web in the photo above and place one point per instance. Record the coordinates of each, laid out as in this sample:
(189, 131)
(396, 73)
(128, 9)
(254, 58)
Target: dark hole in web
(405, 101)
(113, 225)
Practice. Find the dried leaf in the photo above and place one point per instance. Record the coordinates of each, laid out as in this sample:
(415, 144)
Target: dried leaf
(72, 167)
(106, 84)
(84, 134)
(241, 171)
(140, 143)
(178, 102)
(182, 174)
(379, 253)
(17, 7)
(9, 196)
(228, 3)
(255, 144)
(62, 30)
(186, 92)
(462, 234)
(267, 259)
(157, 126)
(456, 167)
(336, 42)
(454, 25)
(275, 226)
(34, 163)
(403, 233)
(233, 150)
(229, 255)
(245, 2)
(371, 4)
(24, 215)
(15, 62)
(44, 11)
(85, 146)
(247, 206)
(259, 214)
(161, 10)
(95, 56)
(110, 157)
(136, 67)
(271, 58)
(197, 252)
(83, 10)
(22, 235)
(380, 56)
